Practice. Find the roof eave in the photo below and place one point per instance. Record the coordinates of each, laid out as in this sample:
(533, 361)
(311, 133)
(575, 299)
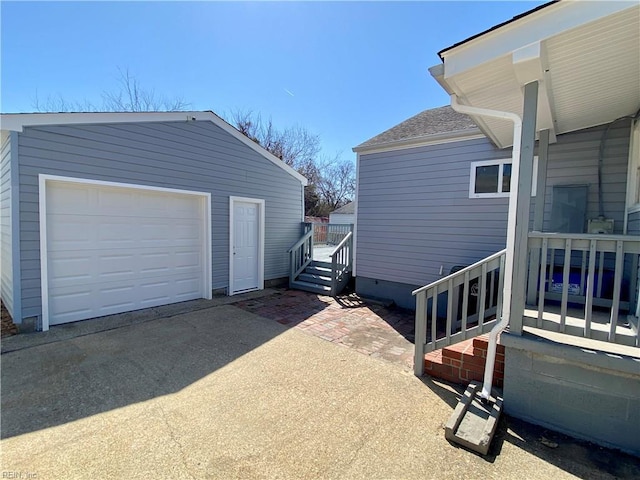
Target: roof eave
(425, 140)
(17, 122)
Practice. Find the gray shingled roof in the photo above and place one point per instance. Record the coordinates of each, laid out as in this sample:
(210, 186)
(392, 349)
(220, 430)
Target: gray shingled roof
(348, 208)
(430, 122)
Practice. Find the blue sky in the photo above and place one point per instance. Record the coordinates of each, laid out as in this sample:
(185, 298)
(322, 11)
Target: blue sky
(346, 71)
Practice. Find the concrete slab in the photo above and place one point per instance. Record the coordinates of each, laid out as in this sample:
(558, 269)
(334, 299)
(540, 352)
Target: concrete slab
(68, 331)
(224, 393)
(474, 421)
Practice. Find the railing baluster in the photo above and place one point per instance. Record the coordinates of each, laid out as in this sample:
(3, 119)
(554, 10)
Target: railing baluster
(600, 274)
(543, 277)
(482, 294)
(420, 333)
(583, 268)
(617, 287)
(500, 288)
(588, 304)
(552, 266)
(566, 270)
(449, 308)
(633, 284)
(465, 304)
(434, 314)
(492, 284)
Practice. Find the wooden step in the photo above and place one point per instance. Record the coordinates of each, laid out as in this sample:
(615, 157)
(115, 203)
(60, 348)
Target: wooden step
(320, 271)
(464, 362)
(311, 287)
(320, 264)
(314, 278)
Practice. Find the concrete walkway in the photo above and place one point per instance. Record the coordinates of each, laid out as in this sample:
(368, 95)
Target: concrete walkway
(224, 393)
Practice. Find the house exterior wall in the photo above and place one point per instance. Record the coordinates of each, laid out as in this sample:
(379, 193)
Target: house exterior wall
(197, 156)
(415, 217)
(342, 218)
(589, 395)
(6, 252)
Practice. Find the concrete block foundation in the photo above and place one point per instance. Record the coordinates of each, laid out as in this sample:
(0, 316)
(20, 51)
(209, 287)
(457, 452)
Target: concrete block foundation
(580, 391)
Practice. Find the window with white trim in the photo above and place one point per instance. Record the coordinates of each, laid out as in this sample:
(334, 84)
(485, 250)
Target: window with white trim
(492, 178)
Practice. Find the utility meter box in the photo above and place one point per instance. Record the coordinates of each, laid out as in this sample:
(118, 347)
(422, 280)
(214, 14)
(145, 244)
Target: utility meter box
(601, 225)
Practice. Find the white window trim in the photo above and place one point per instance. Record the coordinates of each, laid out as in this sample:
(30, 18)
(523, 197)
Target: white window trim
(260, 202)
(43, 179)
(500, 162)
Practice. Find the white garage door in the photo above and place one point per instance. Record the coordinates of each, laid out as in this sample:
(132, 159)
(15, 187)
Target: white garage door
(111, 249)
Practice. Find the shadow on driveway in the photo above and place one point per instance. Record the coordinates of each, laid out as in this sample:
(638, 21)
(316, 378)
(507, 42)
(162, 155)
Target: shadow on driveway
(567, 453)
(60, 382)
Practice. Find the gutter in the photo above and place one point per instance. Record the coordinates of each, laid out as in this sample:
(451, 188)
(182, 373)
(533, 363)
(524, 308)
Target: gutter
(511, 233)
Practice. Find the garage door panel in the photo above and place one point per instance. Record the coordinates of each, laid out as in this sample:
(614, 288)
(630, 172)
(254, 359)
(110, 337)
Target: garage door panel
(124, 251)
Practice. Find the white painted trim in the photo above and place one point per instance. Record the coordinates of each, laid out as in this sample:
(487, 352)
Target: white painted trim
(44, 264)
(633, 173)
(355, 212)
(545, 23)
(424, 141)
(500, 162)
(42, 202)
(17, 122)
(16, 233)
(261, 235)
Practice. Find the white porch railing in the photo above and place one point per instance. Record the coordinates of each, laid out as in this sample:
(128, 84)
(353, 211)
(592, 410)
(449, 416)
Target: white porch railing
(483, 280)
(341, 264)
(583, 284)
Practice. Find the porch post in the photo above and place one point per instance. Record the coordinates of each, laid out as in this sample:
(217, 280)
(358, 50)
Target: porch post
(523, 204)
(538, 214)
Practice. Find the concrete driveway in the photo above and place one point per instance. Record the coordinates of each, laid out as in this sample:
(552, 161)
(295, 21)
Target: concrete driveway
(224, 393)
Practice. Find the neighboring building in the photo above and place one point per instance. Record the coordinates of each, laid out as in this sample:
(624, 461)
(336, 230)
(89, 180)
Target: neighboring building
(560, 82)
(346, 214)
(104, 213)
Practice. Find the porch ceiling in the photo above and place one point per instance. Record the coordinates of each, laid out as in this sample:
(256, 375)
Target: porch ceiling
(586, 56)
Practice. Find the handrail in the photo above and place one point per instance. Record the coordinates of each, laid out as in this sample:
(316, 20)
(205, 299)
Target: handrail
(581, 271)
(303, 239)
(471, 320)
(341, 264)
(342, 243)
(460, 272)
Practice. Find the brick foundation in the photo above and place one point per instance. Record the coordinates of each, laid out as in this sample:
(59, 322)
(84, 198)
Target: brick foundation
(464, 362)
(8, 327)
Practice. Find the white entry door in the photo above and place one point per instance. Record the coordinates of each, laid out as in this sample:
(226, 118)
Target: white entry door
(109, 248)
(246, 232)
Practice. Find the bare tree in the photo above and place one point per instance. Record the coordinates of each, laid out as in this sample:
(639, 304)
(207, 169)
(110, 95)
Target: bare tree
(130, 96)
(331, 180)
(336, 184)
(296, 146)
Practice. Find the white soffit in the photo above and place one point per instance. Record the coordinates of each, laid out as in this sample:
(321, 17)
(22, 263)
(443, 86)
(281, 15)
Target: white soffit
(589, 75)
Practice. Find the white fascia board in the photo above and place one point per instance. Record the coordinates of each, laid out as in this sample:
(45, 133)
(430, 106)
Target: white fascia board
(437, 139)
(537, 26)
(17, 121)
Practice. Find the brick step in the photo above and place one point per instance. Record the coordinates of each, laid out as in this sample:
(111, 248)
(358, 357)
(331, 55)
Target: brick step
(464, 362)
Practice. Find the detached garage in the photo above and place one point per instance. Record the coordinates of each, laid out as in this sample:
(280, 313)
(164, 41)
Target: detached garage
(104, 213)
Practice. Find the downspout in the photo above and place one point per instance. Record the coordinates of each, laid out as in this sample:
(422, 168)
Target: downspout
(511, 233)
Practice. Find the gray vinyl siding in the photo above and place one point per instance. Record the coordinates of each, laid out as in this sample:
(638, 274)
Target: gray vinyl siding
(197, 156)
(415, 214)
(6, 260)
(573, 160)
